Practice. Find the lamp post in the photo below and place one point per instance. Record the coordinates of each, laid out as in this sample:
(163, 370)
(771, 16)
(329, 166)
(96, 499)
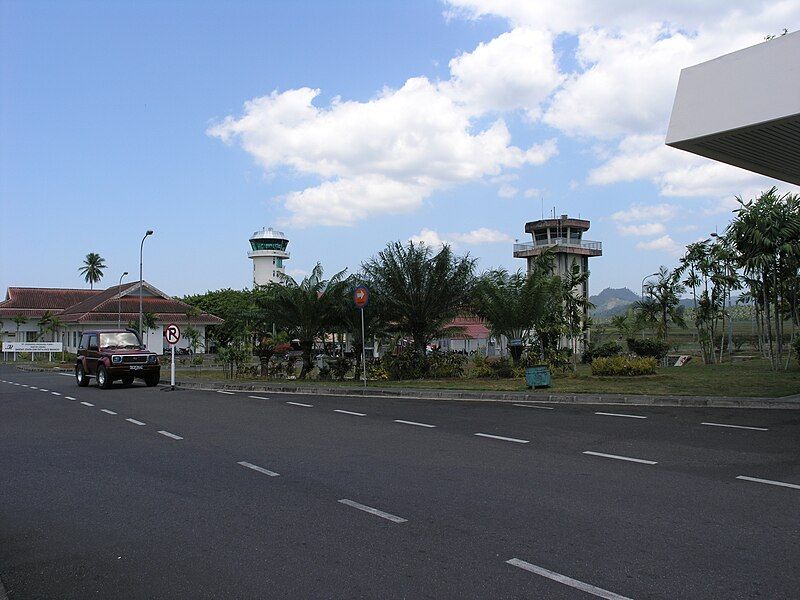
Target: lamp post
(141, 249)
(119, 301)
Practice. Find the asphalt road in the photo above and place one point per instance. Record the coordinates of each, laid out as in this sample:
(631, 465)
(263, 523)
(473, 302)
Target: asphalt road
(144, 493)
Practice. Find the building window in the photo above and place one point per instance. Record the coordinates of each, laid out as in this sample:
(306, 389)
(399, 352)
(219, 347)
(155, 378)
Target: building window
(279, 262)
(30, 336)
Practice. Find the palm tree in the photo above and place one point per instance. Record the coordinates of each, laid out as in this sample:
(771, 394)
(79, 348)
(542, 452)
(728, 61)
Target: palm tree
(18, 321)
(92, 269)
(349, 317)
(420, 292)
(514, 304)
(662, 305)
(308, 309)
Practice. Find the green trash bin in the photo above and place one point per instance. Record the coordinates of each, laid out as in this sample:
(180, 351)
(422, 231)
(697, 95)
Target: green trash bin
(537, 376)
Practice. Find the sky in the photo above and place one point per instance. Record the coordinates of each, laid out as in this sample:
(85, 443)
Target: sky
(351, 124)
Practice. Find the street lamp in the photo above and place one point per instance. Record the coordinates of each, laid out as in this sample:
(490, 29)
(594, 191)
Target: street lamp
(141, 249)
(119, 301)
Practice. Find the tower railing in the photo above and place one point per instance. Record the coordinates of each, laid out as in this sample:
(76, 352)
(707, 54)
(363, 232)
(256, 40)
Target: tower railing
(552, 242)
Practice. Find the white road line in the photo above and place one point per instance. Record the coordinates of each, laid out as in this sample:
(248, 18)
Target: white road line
(636, 460)
(258, 398)
(87, 403)
(134, 421)
(578, 585)
(500, 437)
(33, 387)
(373, 511)
(794, 486)
(56, 393)
(349, 412)
(257, 468)
(43, 390)
(224, 392)
(24, 385)
(735, 426)
(300, 404)
(170, 435)
(534, 406)
(66, 374)
(69, 397)
(105, 410)
(605, 414)
(413, 423)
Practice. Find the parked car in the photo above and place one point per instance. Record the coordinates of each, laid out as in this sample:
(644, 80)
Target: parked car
(108, 355)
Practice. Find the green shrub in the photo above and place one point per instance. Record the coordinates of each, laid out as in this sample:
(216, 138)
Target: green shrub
(797, 348)
(324, 373)
(648, 347)
(493, 368)
(624, 366)
(376, 371)
(341, 367)
(604, 350)
(445, 364)
(406, 364)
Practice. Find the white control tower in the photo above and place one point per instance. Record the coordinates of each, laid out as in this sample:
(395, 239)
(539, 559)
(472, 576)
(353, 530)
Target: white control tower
(268, 253)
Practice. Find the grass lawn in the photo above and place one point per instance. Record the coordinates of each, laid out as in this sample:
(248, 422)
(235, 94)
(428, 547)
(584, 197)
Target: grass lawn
(740, 378)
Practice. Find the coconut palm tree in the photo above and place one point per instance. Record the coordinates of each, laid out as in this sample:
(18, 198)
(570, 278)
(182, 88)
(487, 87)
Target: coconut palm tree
(419, 291)
(308, 309)
(662, 304)
(18, 321)
(92, 269)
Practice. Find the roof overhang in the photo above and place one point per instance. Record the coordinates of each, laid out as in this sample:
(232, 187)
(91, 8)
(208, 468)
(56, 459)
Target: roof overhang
(743, 109)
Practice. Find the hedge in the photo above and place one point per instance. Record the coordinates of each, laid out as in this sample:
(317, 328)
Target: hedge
(624, 366)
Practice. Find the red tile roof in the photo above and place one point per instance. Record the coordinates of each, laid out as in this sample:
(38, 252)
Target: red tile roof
(34, 302)
(468, 327)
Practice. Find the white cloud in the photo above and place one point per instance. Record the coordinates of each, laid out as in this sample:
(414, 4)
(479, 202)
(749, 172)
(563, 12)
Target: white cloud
(383, 156)
(645, 212)
(507, 191)
(641, 229)
(515, 70)
(483, 235)
(533, 193)
(665, 244)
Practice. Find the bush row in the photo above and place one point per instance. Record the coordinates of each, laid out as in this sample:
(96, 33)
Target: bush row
(624, 366)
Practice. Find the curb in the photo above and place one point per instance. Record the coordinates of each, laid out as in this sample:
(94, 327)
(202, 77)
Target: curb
(788, 402)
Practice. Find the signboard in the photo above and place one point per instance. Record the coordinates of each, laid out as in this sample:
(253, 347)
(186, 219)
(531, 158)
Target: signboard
(361, 296)
(172, 333)
(32, 346)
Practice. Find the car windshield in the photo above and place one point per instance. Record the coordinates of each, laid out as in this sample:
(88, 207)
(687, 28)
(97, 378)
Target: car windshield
(119, 340)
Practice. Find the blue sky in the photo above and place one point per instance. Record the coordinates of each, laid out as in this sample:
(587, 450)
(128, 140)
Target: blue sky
(113, 121)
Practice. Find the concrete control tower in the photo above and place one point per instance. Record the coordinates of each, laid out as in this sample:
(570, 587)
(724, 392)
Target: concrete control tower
(564, 237)
(268, 253)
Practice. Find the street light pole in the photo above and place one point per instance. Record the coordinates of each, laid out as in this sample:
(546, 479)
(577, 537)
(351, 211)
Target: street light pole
(141, 249)
(645, 278)
(119, 301)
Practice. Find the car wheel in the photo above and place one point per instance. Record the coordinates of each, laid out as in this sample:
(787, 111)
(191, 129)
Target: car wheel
(127, 380)
(151, 380)
(80, 376)
(103, 380)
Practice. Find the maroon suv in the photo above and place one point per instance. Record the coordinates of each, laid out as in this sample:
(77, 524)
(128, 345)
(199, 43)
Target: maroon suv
(111, 354)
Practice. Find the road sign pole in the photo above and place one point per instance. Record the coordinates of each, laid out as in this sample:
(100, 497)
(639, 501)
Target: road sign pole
(172, 368)
(363, 349)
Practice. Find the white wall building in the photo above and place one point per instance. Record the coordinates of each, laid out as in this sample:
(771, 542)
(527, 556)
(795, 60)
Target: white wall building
(268, 252)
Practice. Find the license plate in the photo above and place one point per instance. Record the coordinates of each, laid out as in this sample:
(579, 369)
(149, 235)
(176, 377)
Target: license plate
(136, 368)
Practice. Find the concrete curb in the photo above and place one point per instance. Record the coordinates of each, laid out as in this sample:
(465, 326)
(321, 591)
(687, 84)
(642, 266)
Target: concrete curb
(788, 402)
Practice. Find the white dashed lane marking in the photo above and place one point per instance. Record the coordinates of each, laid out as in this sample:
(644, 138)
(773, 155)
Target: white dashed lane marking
(258, 398)
(349, 412)
(607, 414)
(170, 435)
(108, 412)
(735, 426)
(534, 406)
(373, 511)
(300, 404)
(413, 423)
(793, 486)
(55, 393)
(135, 422)
(503, 438)
(257, 468)
(617, 457)
(87, 403)
(43, 390)
(578, 585)
(224, 392)
(69, 397)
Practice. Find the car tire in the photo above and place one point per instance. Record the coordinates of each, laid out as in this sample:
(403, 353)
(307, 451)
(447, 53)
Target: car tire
(151, 380)
(103, 380)
(127, 380)
(80, 376)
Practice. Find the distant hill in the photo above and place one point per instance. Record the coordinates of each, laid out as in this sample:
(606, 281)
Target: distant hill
(612, 301)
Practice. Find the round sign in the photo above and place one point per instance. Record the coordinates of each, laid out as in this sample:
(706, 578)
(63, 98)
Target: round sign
(361, 296)
(172, 333)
